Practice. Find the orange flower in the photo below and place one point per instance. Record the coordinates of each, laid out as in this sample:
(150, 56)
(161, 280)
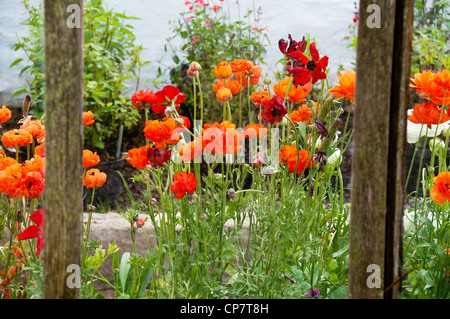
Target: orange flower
(40, 150)
(442, 79)
(15, 138)
(303, 114)
(251, 76)
(241, 65)
(6, 161)
(224, 94)
(424, 83)
(259, 96)
(190, 151)
(166, 132)
(296, 160)
(255, 131)
(223, 70)
(156, 131)
(37, 164)
(233, 86)
(90, 159)
(440, 192)
(427, 113)
(138, 157)
(10, 179)
(5, 114)
(88, 118)
(18, 253)
(296, 93)
(33, 184)
(94, 178)
(183, 183)
(35, 128)
(221, 139)
(346, 86)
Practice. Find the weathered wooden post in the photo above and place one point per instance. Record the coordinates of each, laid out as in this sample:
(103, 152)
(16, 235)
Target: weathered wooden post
(63, 109)
(383, 70)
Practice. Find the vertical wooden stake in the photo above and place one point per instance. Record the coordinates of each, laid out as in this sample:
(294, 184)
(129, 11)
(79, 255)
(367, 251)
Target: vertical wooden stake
(382, 72)
(64, 133)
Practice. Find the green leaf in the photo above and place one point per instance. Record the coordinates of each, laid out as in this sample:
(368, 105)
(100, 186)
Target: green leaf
(124, 269)
(339, 293)
(340, 251)
(15, 62)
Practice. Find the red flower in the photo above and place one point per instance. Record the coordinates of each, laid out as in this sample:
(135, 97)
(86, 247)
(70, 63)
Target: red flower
(34, 231)
(273, 110)
(143, 99)
(292, 49)
(158, 158)
(140, 223)
(313, 69)
(138, 157)
(183, 183)
(168, 95)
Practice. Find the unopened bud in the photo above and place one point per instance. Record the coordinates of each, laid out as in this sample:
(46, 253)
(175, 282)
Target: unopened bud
(232, 193)
(179, 122)
(195, 66)
(145, 177)
(267, 80)
(168, 111)
(203, 216)
(153, 202)
(91, 208)
(140, 223)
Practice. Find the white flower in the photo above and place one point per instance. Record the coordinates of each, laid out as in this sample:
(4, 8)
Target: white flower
(335, 157)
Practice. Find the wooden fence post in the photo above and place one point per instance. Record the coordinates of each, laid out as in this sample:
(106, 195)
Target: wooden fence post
(383, 71)
(64, 133)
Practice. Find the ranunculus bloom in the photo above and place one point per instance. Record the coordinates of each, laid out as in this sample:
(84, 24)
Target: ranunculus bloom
(247, 73)
(224, 94)
(232, 85)
(223, 70)
(190, 151)
(273, 110)
(35, 128)
(88, 118)
(302, 114)
(40, 149)
(296, 93)
(166, 97)
(156, 157)
(15, 138)
(138, 157)
(428, 113)
(33, 184)
(346, 86)
(424, 83)
(5, 114)
(312, 70)
(37, 163)
(143, 99)
(241, 65)
(90, 159)
(259, 97)
(164, 133)
(440, 192)
(35, 231)
(292, 49)
(10, 180)
(221, 139)
(255, 131)
(442, 79)
(94, 178)
(183, 183)
(296, 160)
(6, 161)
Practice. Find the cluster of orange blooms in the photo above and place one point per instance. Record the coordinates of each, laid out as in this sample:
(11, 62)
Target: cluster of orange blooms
(435, 88)
(28, 178)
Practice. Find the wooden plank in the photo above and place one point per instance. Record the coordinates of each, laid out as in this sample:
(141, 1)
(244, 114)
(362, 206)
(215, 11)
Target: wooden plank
(379, 140)
(63, 109)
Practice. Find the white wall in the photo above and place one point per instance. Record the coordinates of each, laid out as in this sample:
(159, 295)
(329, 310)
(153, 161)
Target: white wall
(325, 20)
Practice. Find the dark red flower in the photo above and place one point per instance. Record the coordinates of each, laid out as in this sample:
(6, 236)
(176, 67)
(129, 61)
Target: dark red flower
(156, 157)
(273, 110)
(34, 231)
(311, 69)
(292, 49)
(166, 97)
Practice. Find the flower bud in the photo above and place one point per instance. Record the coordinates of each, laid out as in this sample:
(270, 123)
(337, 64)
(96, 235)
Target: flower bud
(232, 193)
(153, 202)
(140, 223)
(195, 66)
(168, 111)
(91, 208)
(267, 80)
(179, 122)
(203, 216)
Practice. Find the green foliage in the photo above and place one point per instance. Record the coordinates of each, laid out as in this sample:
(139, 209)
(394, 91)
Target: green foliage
(225, 38)
(431, 36)
(111, 60)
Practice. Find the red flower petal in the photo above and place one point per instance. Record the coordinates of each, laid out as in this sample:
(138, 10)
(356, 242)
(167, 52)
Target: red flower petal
(314, 53)
(38, 217)
(31, 232)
